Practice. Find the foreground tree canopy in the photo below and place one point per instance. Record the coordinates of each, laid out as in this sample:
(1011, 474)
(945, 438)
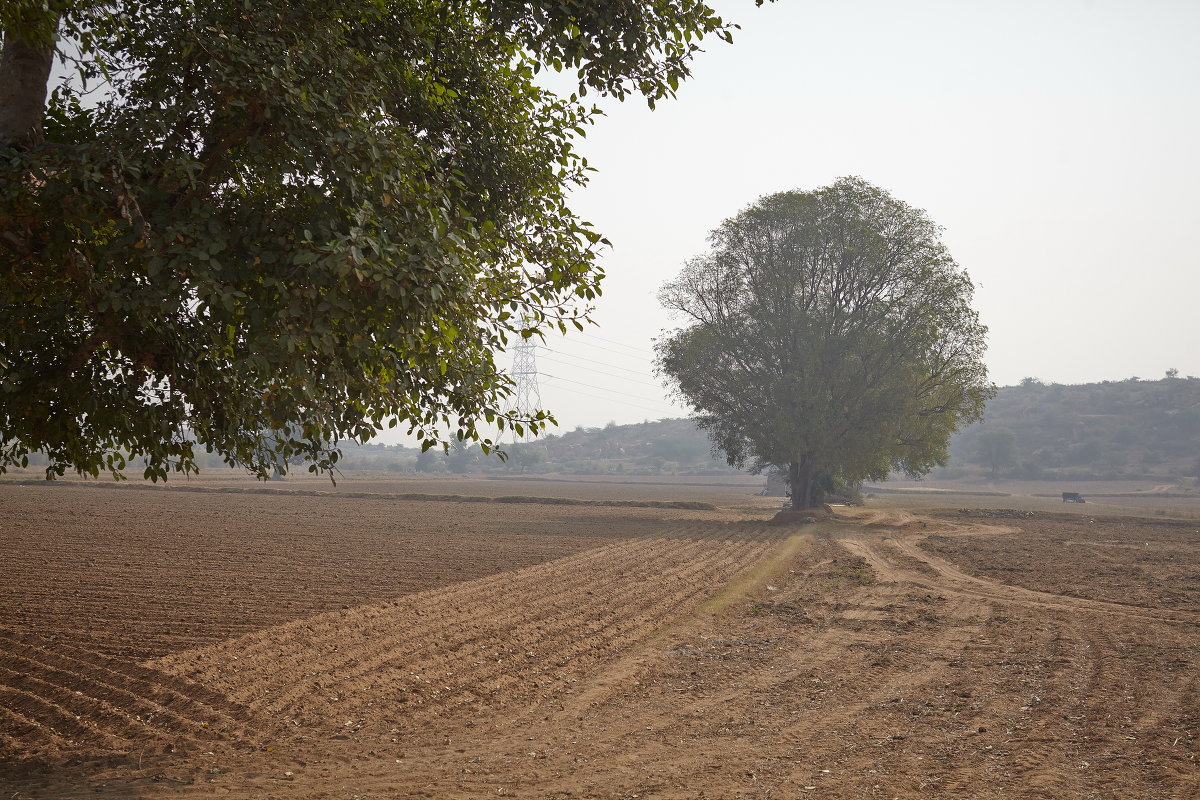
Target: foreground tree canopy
(262, 227)
(829, 333)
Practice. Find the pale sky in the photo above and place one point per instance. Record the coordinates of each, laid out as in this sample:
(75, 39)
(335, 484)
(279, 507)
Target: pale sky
(1056, 142)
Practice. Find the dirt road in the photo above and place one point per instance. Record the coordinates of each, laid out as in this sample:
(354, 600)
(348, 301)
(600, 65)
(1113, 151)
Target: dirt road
(856, 659)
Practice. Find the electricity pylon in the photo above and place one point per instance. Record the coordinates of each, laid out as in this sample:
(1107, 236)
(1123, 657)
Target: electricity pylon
(527, 397)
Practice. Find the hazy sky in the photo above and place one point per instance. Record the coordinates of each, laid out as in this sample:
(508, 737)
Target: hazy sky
(1056, 142)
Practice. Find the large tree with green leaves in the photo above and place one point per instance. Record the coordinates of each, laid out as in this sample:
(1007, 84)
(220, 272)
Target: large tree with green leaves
(263, 227)
(828, 332)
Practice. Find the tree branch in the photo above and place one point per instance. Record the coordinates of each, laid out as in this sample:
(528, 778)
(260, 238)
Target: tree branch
(24, 75)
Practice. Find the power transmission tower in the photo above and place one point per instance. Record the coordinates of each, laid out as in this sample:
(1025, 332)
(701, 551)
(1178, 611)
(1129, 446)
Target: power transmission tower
(527, 398)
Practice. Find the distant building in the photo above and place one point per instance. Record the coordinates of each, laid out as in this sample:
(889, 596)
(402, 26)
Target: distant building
(776, 484)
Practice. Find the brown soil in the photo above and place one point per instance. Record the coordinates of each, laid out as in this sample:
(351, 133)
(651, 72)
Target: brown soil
(1129, 560)
(802, 516)
(602, 652)
(145, 573)
(724, 490)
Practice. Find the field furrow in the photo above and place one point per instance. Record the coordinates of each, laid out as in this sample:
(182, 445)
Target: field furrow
(266, 662)
(548, 654)
(20, 734)
(537, 604)
(163, 688)
(79, 699)
(483, 641)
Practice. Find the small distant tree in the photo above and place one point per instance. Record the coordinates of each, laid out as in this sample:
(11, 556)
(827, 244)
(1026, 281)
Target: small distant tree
(462, 458)
(829, 331)
(997, 450)
(430, 461)
(1172, 374)
(524, 457)
(1029, 382)
(1090, 453)
(682, 449)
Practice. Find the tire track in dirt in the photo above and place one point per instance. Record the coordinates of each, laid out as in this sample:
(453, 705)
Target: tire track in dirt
(56, 696)
(842, 667)
(985, 686)
(1066, 694)
(951, 578)
(1058, 690)
(909, 699)
(522, 635)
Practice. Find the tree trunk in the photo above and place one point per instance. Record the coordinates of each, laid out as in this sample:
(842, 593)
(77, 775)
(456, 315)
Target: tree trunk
(24, 75)
(800, 478)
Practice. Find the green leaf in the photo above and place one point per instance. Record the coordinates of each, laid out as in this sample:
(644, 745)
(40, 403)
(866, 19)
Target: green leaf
(229, 243)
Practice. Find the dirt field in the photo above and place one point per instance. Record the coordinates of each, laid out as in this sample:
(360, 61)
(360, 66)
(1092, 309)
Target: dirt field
(727, 491)
(1104, 498)
(194, 644)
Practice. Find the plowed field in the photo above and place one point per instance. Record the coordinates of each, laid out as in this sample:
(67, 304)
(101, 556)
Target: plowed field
(171, 644)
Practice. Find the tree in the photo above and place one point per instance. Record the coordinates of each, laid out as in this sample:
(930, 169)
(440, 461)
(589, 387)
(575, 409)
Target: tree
(525, 456)
(997, 450)
(462, 458)
(430, 461)
(294, 215)
(828, 331)
(681, 448)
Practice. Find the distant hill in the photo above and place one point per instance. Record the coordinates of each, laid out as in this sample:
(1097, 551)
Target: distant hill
(1115, 429)
(666, 447)
(1035, 431)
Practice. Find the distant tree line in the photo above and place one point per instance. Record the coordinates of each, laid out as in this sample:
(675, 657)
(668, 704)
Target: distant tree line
(666, 447)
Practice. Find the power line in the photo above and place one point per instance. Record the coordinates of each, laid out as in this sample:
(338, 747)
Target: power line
(594, 371)
(614, 341)
(642, 373)
(600, 388)
(645, 355)
(625, 403)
